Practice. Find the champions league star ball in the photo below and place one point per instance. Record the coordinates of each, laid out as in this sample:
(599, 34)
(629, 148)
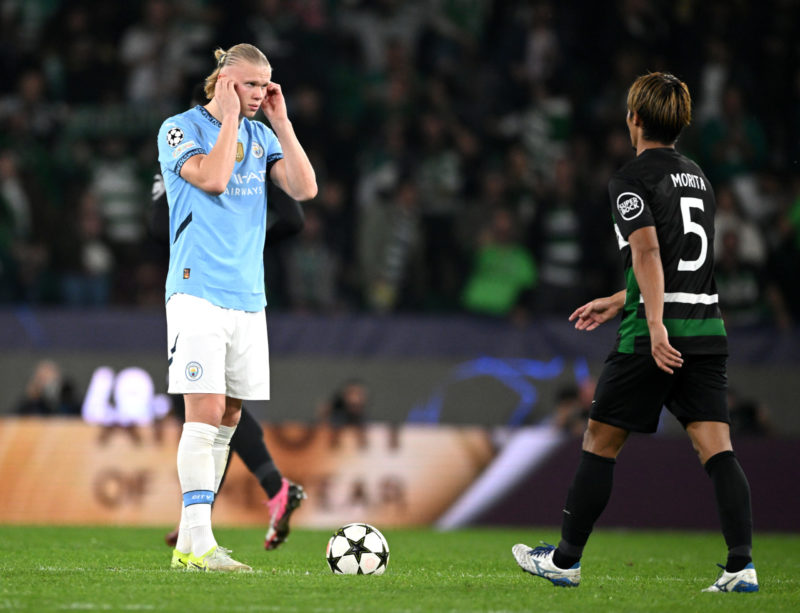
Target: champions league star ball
(357, 549)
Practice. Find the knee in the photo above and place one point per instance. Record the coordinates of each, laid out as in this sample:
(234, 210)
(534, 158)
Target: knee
(705, 453)
(232, 412)
(205, 408)
(603, 440)
(709, 439)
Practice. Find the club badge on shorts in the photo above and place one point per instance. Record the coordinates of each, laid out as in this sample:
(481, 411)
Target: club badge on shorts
(194, 371)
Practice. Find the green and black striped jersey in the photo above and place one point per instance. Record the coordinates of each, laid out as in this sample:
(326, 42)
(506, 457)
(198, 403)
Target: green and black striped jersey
(662, 188)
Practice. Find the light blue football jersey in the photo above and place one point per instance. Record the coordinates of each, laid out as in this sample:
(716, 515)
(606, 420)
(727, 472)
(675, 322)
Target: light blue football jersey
(217, 242)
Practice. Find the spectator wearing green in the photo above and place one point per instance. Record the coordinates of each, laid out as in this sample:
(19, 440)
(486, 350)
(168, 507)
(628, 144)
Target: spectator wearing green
(503, 272)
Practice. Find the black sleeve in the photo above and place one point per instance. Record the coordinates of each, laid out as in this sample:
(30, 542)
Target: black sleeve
(285, 217)
(629, 204)
(158, 218)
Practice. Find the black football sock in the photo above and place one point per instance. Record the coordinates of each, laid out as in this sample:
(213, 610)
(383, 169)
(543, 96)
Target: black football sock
(586, 500)
(248, 443)
(733, 504)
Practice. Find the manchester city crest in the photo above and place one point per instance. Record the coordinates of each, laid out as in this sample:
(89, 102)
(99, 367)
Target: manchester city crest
(258, 150)
(194, 371)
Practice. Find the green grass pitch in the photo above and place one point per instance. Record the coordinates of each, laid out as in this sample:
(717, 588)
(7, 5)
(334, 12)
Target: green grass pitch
(50, 568)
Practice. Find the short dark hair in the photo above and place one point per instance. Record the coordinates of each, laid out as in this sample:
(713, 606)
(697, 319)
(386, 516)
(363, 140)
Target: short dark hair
(664, 105)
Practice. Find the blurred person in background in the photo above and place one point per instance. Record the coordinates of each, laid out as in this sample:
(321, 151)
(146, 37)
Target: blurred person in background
(438, 176)
(215, 162)
(504, 273)
(731, 217)
(80, 51)
(32, 105)
(49, 393)
(671, 347)
(783, 269)
(42, 391)
(157, 52)
(749, 416)
(390, 250)
(346, 409)
(336, 209)
(88, 262)
(558, 241)
(15, 222)
(312, 268)
(24, 255)
(120, 198)
(572, 408)
(714, 74)
(734, 143)
(740, 285)
(491, 194)
(522, 186)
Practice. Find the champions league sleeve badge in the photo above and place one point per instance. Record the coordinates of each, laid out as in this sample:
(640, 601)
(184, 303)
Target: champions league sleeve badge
(174, 137)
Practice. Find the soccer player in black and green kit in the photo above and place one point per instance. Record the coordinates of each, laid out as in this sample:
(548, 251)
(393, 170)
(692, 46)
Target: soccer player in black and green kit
(671, 346)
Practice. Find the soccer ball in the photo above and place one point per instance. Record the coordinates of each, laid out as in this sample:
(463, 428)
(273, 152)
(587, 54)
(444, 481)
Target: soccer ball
(357, 549)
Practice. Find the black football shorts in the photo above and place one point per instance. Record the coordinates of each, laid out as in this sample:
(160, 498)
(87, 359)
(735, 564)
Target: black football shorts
(632, 390)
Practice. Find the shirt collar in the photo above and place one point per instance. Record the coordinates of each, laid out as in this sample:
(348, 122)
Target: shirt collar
(204, 112)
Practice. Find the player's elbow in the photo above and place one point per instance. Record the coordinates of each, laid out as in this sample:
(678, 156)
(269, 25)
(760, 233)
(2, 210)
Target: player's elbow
(308, 192)
(651, 253)
(214, 188)
(645, 252)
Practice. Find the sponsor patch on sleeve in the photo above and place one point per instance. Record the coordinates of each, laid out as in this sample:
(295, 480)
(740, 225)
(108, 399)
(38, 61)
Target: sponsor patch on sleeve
(184, 147)
(629, 205)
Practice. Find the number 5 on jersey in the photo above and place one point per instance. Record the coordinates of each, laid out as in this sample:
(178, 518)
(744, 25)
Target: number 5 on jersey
(691, 227)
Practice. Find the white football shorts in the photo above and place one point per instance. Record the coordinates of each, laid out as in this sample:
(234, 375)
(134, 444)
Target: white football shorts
(213, 350)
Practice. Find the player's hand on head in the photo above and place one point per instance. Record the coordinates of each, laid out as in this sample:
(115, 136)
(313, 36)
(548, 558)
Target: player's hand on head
(274, 104)
(226, 97)
(666, 356)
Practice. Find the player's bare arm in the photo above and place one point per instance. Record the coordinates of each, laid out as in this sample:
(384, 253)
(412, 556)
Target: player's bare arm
(598, 311)
(294, 173)
(649, 273)
(212, 172)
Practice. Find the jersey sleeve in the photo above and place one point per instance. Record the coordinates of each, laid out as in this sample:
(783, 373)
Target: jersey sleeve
(274, 150)
(158, 217)
(629, 205)
(178, 140)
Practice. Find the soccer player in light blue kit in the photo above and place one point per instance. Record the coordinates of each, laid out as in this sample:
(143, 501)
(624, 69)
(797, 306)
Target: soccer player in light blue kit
(216, 162)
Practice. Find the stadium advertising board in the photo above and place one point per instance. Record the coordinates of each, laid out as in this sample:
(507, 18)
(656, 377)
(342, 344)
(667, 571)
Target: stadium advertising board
(126, 475)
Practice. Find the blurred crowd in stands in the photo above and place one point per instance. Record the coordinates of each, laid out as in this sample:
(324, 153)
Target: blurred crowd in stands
(462, 147)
